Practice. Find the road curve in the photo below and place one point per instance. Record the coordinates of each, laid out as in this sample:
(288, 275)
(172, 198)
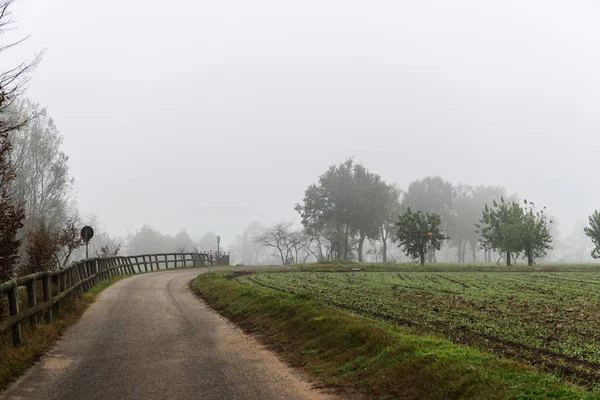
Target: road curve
(148, 337)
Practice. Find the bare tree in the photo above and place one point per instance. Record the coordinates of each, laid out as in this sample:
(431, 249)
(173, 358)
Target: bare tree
(110, 250)
(278, 237)
(12, 83)
(42, 246)
(14, 80)
(289, 246)
(69, 239)
(11, 212)
(43, 180)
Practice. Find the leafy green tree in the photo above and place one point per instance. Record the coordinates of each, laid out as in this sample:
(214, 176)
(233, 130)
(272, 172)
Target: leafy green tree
(417, 232)
(351, 201)
(510, 229)
(431, 195)
(499, 228)
(535, 236)
(593, 232)
(328, 204)
(371, 205)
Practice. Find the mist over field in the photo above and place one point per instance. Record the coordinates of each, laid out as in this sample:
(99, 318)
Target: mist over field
(402, 193)
(199, 117)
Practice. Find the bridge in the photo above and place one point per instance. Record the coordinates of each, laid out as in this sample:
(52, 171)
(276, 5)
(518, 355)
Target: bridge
(146, 337)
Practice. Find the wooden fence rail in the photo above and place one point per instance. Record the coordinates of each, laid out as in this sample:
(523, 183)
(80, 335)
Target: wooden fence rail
(81, 276)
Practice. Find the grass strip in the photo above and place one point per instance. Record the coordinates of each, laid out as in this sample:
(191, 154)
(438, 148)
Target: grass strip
(366, 358)
(14, 361)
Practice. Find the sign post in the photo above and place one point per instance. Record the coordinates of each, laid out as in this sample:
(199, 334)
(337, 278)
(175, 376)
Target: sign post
(87, 233)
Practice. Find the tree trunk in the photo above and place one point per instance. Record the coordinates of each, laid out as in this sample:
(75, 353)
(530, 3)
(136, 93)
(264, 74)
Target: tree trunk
(464, 252)
(422, 259)
(508, 263)
(458, 251)
(281, 255)
(384, 255)
(346, 244)
(360, 247)
(321, 256)
(474, 249)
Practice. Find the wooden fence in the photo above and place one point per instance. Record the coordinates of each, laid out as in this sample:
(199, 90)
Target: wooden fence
(80, 276)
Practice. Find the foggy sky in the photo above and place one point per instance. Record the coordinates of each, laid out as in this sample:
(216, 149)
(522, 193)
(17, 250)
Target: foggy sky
(207, 115)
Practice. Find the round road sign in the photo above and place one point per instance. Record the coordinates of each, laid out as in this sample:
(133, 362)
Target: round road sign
(87, 233)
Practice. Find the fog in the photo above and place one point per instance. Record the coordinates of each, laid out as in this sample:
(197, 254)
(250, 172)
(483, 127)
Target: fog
(210, 115)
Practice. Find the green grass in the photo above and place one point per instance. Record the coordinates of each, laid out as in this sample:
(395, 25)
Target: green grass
(14, 361)
(357, 354)
(547, 318)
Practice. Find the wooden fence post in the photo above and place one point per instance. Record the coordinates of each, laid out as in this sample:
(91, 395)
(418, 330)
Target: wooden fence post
(64, 280)
(13, 308)
(69, 278)
(132, 263)
(124, 270)
(31, 301)
(47, 297)
(95, 270)
(58, 291)
(82, 275)
(90, 272)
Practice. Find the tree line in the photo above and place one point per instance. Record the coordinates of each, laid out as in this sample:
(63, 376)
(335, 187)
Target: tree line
(349, 206)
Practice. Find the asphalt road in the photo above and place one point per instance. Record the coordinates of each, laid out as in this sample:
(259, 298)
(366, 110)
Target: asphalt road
(148, 337)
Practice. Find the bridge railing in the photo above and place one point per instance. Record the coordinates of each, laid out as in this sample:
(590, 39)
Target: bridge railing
(53, 287)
